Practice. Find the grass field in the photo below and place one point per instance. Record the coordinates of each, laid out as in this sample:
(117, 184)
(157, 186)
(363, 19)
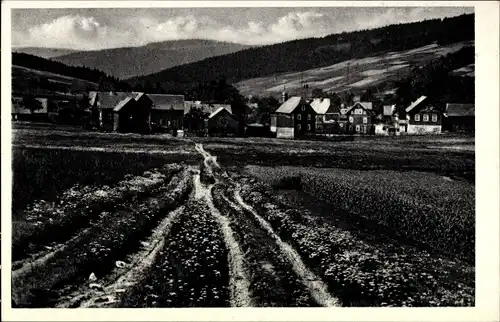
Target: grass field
(355, 75)
(110, 220)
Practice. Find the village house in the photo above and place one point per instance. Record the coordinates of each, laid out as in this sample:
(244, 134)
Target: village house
(359, 119)
(423, 117)
(387, 122)
(120, 111)
(167, 111)
(459, 118)
(222, 122)
(295, 118)
(320, 107)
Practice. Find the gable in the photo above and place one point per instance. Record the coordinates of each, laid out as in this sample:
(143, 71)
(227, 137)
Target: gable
(320, 105)
(358, 106)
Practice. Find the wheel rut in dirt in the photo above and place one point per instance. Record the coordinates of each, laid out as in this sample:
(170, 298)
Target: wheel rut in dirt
(109, 239)
(277, 275)
(191, 269)
(49, 226)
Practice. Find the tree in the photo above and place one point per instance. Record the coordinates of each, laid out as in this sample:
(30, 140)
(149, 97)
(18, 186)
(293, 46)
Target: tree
(32, 104)
(367, 96)
(334, 99)
(195, 119)
(349, 98)
(265, 107)
(318, 93)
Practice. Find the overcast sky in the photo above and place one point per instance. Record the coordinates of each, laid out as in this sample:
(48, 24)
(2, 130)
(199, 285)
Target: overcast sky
(108, 28)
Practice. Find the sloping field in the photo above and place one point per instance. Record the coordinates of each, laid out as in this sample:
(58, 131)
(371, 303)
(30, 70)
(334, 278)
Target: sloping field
(21, 77)
(354, 74)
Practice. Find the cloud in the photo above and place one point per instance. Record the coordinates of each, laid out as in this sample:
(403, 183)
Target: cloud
(88, 32)
(66, 31)
(300, 24)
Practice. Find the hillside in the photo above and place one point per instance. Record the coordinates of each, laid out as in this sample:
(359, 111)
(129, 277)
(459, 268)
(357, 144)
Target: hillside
(43, 52)
(151, 58)
(355, 75)
(32, 74)
(312, 53)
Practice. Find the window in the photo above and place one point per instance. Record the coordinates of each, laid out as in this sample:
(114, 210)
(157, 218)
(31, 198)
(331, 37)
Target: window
(357, 128)
(426, 117)
(299, 127)
(341, 124)
(308, 117)
(351, 119)
(434, 118)
(417, 117)
(309, 127)
(358, 111)
(299, 117)
(365, 120)
(303, 108)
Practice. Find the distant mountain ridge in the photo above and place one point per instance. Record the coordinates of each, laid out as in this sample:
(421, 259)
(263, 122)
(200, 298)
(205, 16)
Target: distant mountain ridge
(43, 52)
(126, 62)
(311, 53)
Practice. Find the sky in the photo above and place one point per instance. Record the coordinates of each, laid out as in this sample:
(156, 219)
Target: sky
(91, 28)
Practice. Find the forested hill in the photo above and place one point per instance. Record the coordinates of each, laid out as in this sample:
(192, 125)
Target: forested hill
(105, 81)
(310, 53)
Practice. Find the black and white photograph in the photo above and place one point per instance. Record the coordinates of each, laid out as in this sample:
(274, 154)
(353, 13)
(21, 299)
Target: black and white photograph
(242, 157)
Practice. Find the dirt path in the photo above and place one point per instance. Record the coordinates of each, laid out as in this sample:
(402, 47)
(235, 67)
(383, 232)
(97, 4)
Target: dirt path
(277, 275)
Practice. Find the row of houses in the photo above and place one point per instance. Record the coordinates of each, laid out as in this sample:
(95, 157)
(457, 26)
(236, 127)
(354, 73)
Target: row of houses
(298, 116)
(134, 112)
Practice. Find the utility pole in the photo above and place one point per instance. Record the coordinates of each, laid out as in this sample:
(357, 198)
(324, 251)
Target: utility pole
(348, 63)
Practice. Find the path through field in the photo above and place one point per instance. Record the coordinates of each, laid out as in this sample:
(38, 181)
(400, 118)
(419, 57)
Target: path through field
(188, 239)
(199, 236)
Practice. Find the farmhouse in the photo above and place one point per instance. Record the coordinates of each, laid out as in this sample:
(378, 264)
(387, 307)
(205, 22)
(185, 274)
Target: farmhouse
(459, 118)
(222, 122)
(295, 118)
(359, 118)
(320, 107)
(167, 111)
(423, 117)
(122, 112)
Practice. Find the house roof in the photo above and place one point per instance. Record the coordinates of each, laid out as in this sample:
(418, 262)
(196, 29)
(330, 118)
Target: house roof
(416, 103)
(389, 110)
(167, 102)
(122, 103)
(205, 107)
(368, 106)
(460, 109)
(92, 98)
(290, 105)
(218, 110)
(320, 105)
(109, 100)
(214, 107)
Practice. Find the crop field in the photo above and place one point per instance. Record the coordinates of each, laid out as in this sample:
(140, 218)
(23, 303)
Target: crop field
(108, 220)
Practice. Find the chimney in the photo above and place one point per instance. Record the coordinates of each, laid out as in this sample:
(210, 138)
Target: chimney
(284, 97)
